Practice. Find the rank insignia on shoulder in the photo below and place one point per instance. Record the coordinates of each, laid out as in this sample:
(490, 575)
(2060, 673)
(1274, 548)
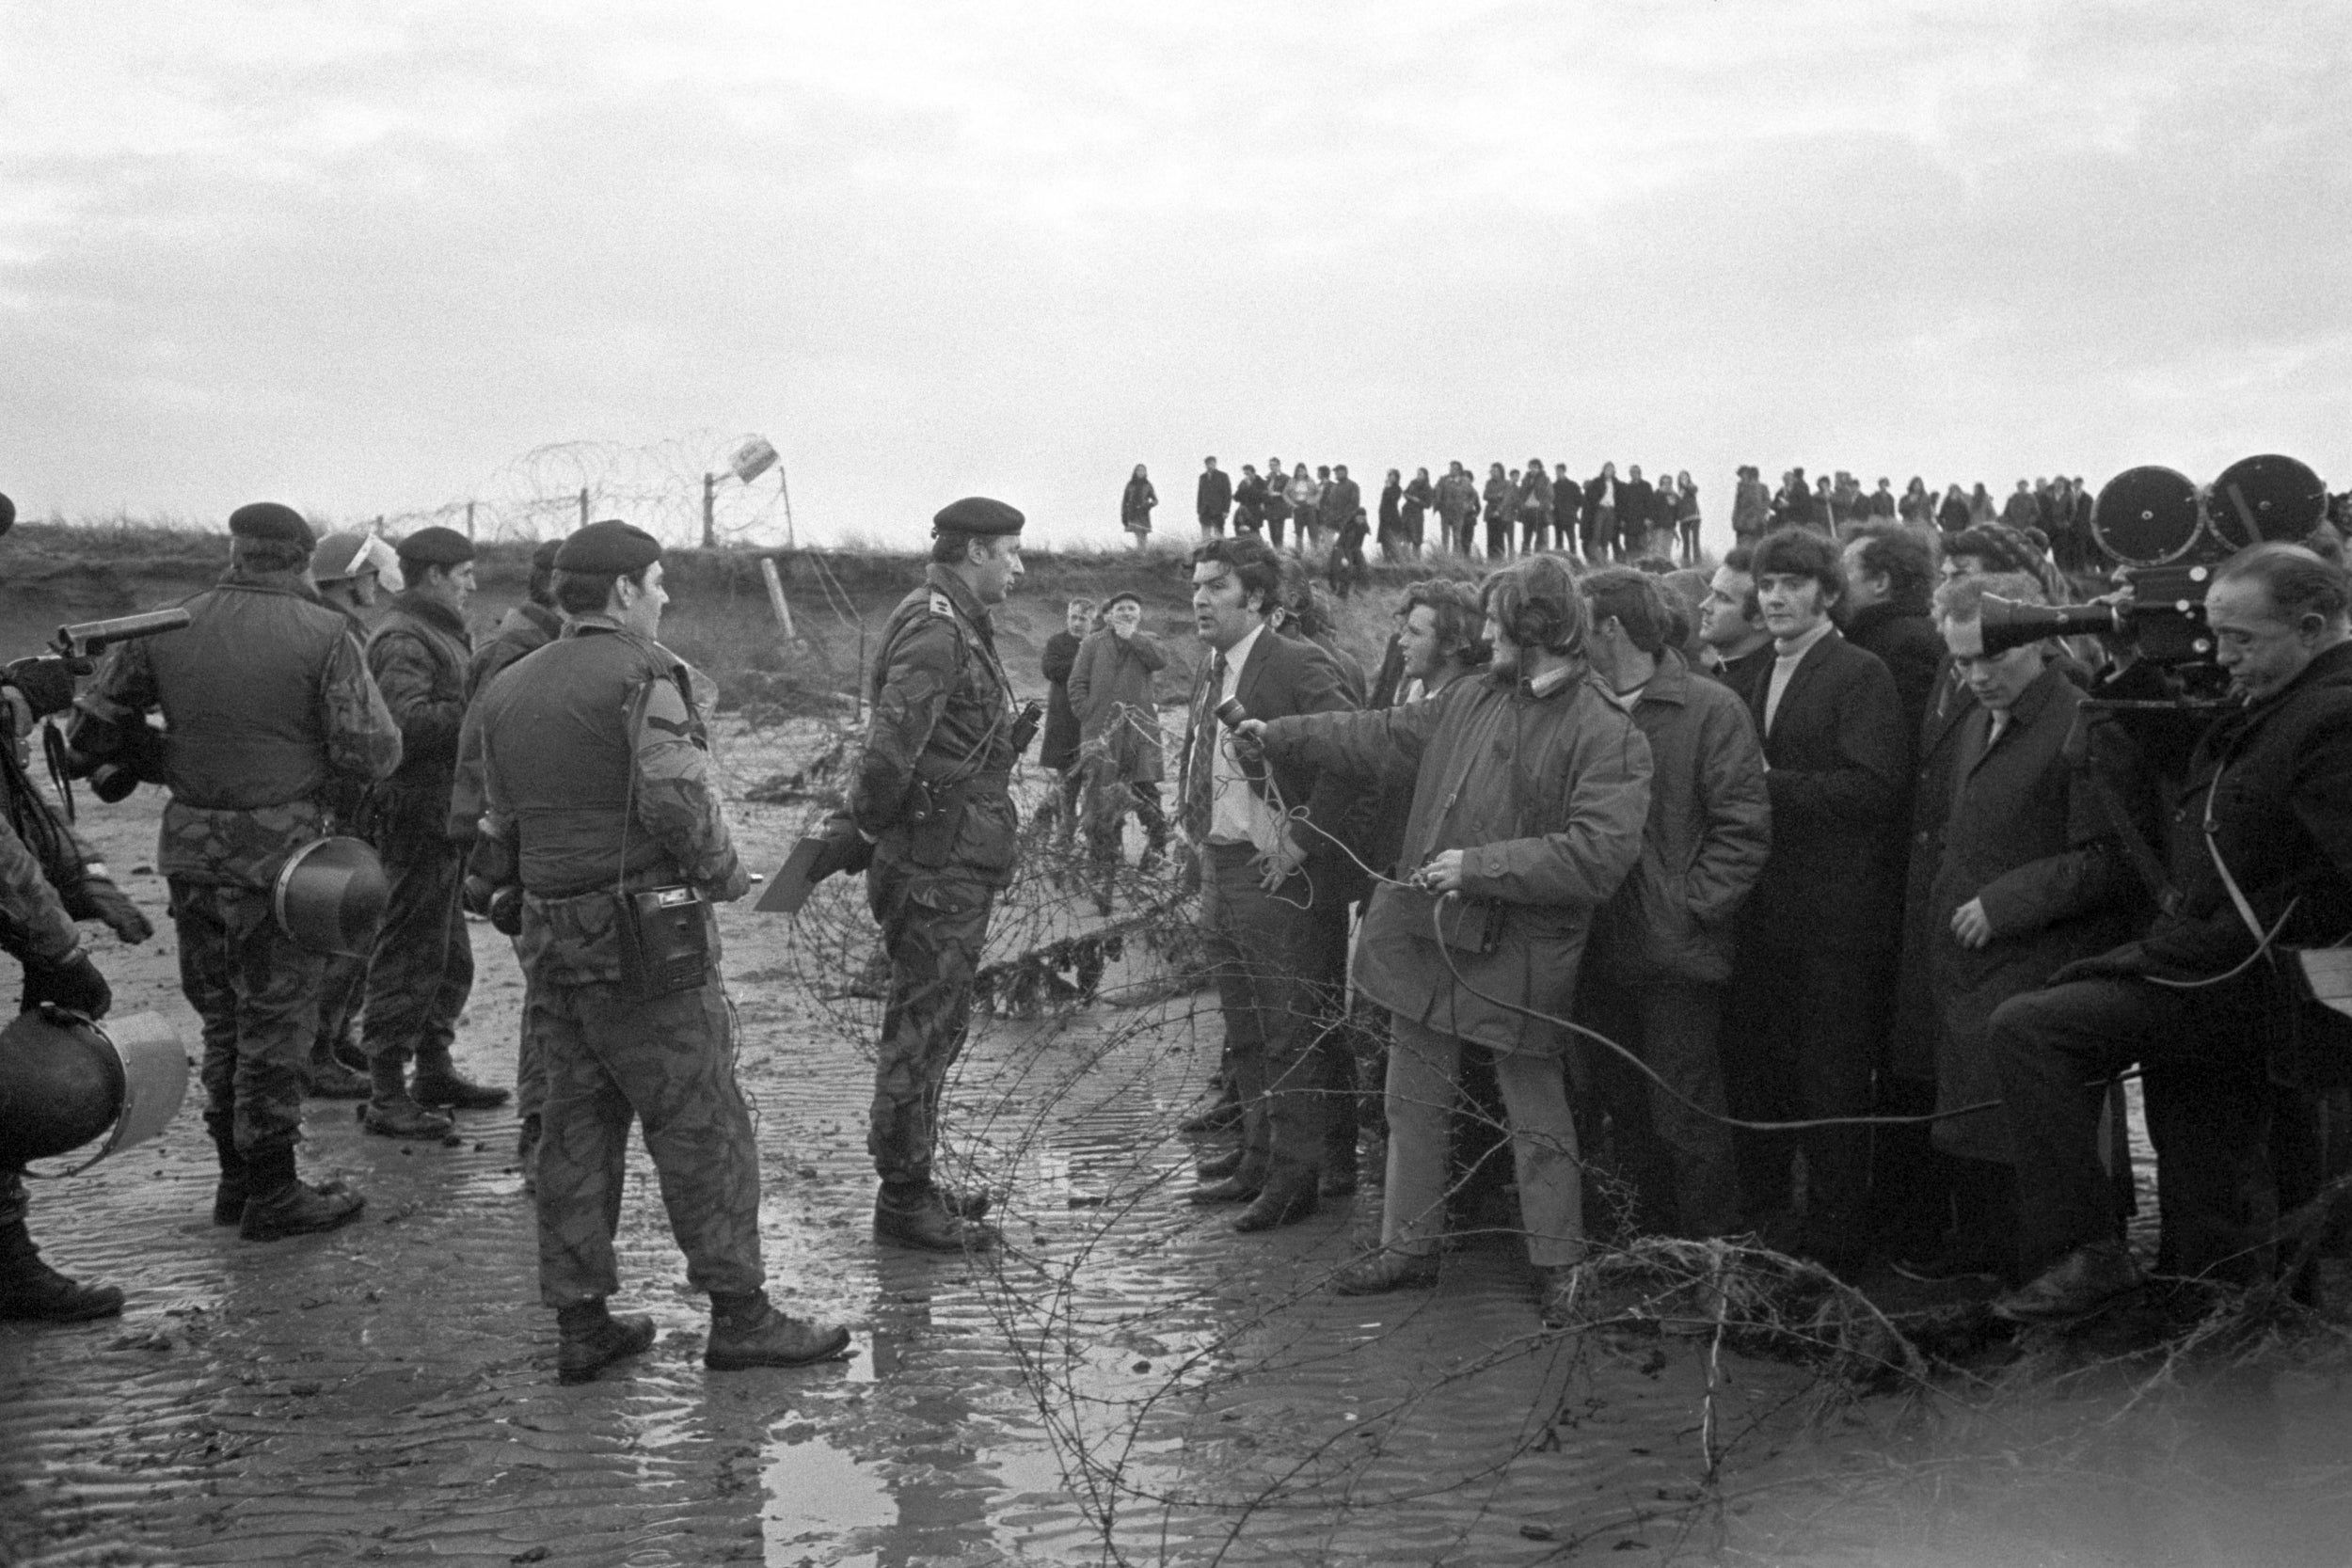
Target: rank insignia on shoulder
(942, 605)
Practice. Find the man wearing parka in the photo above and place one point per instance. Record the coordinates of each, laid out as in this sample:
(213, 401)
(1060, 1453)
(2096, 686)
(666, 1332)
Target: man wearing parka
(1527, 813)
(1662, 950)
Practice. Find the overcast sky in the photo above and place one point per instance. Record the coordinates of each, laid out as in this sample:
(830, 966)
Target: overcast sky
(370, 259)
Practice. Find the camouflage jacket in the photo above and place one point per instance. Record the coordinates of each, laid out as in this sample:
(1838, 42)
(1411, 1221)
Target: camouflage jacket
(942, 717)
(418, 657)
(34, 926)
(596, 767)
(252, 634)
(526, 628)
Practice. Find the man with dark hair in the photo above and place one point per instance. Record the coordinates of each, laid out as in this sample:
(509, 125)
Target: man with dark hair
(421, 969)
(1889, 574)
(1637, 513)
(1526, 811)
(934, 796)
(1663, 949)
(1731, 625)
(1817, 939)
(1266, 856)
(1250, 501)
(267, 699)
(1880, 504)
(529, 626)
(1213, 498)
(2261, 862)
(597, 780)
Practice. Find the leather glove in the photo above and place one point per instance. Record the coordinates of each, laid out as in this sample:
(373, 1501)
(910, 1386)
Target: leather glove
(74, 984)
(505, 909)
(46, 681)
(98, 899)
(844, 848)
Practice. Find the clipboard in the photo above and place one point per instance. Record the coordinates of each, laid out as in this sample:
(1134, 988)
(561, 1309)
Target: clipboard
(789, 888)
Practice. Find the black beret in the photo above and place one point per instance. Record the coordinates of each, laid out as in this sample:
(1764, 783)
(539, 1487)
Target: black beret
(611, 546)
(437, 546)
(977, 515)
(543, 559)
(270, 520)
(8, 514)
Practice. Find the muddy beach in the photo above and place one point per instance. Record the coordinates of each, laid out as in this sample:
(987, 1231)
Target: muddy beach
(1129, 1382)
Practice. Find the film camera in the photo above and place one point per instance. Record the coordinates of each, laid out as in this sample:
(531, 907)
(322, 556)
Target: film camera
(2166, 538)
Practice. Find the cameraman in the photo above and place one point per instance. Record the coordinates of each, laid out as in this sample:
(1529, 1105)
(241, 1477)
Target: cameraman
(2268, 794)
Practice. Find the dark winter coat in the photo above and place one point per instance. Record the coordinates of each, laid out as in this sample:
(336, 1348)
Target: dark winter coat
(1838, 755)
(1905, 640)
(1110, 691)
(1059, 748)
(1911, 1040)
(1709, 830)
(2027, 835)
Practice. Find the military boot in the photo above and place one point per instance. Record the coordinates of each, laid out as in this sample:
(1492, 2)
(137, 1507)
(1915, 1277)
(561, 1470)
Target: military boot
(32, 1291)
(281, 1205)
(439, 1082)
(229, 1196)
(747, 1331)
(593, 1338)
(391, 1113)
(328, 1078)
(921, 1219)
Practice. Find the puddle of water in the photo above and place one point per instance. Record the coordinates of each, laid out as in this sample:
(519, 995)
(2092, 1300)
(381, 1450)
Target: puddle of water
(816, 1495)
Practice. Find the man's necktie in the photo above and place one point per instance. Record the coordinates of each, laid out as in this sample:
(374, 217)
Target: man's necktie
(1199, 783)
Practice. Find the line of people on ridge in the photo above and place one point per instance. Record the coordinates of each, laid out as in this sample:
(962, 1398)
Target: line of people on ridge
(1805, 850)
(1514, 511)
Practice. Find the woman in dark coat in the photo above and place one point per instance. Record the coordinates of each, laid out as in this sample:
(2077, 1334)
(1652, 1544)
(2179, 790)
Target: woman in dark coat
(1419, 496)
(1134, 507)
(1392, 518)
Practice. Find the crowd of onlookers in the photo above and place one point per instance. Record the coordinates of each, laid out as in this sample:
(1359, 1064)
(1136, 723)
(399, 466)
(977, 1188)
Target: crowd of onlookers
(1868, 837)
(1324, 513)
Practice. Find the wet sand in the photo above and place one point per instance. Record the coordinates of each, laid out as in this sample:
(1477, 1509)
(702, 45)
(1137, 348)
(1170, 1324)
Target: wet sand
(1130, 1381)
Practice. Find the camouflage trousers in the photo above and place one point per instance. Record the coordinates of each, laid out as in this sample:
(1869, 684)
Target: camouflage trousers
(933, 925)
(340, 994)
(422, 971)
(256, 994)
(610, 1060)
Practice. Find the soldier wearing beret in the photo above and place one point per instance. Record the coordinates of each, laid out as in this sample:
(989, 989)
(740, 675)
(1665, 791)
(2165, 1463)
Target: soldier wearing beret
(266, 702)
(421, 969)
(597, 787)
(932, 796)
(528, 627)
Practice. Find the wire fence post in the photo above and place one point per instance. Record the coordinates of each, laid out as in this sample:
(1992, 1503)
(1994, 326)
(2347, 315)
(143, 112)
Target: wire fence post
(584, 506)
(710, 503)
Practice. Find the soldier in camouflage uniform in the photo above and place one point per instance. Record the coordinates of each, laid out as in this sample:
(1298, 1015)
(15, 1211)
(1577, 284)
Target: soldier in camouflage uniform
(421, 969)
(266, 701)
(350, 570)
(38, 932)
(524, 629)
(932, 796)
(596, 782)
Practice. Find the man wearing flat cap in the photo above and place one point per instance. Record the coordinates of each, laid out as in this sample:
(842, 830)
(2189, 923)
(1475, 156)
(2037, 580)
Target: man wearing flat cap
(600, 807)
(266, 702)
(934, 798)
(421, 969)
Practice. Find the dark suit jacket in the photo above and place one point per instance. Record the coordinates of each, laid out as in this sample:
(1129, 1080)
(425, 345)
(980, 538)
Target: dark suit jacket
(1836, 754)
(1637, 507)
(1910, 1045)
(1213, 496)
(1283, 677)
